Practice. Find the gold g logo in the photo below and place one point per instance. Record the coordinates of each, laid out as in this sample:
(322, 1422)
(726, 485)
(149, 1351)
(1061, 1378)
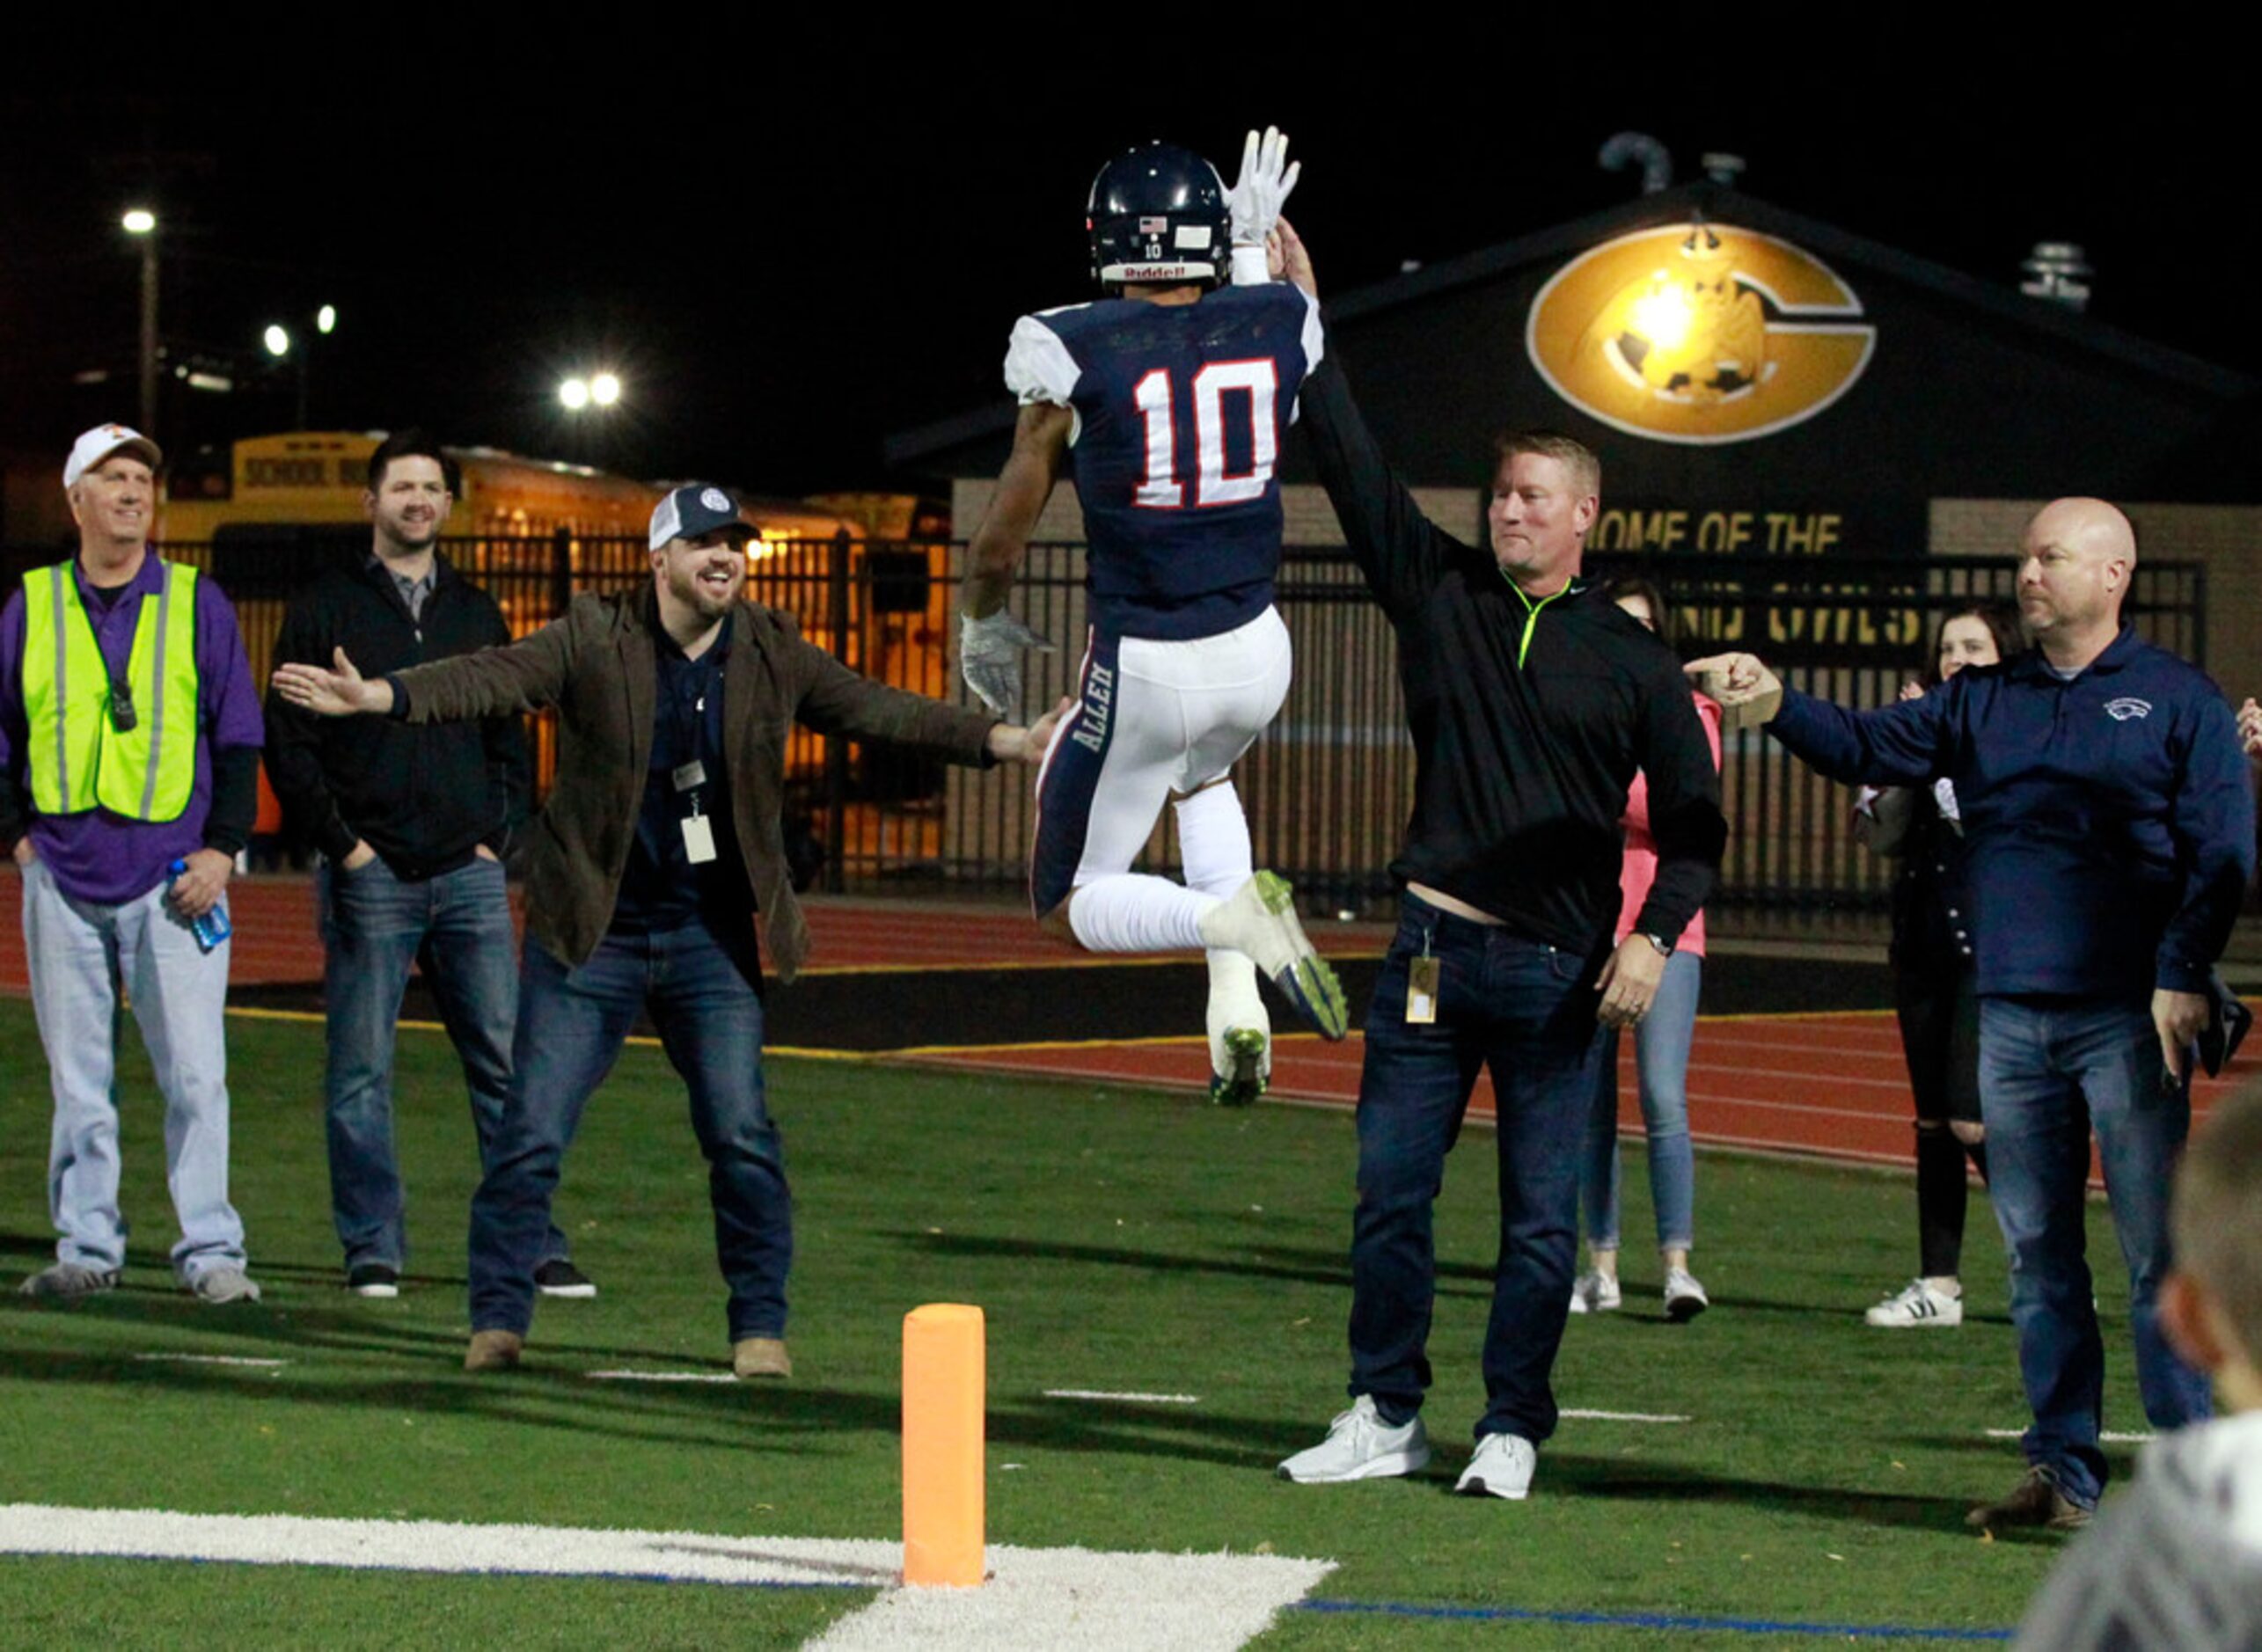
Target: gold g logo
(1702, 333)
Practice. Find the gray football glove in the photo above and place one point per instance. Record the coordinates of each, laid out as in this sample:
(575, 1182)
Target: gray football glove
(1265, 180)
(989, 658)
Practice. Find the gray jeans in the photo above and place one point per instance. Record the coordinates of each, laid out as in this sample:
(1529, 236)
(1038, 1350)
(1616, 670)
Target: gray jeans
(78, 951)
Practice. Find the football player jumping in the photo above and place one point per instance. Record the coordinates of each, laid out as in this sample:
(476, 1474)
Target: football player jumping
(1169, 397)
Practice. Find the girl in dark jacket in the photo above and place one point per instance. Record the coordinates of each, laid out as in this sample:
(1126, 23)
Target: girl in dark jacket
(1933, 982)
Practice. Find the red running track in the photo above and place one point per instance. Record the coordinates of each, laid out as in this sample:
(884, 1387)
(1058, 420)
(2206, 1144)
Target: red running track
(1828, 1085)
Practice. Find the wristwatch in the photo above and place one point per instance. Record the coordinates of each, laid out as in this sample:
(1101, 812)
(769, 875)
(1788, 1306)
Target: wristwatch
(1664, 947)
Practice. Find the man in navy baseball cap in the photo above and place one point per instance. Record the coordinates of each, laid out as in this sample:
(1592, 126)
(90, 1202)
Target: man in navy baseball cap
(695, 509)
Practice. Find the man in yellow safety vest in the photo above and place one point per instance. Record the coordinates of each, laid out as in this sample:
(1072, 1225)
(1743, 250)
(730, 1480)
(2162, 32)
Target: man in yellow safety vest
(129, 743)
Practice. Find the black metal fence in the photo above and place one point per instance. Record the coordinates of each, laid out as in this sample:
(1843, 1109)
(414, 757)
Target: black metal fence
(1328, 786)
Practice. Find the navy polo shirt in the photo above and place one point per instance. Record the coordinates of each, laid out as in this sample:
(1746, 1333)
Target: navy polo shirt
(2108, 819)
(663, 890)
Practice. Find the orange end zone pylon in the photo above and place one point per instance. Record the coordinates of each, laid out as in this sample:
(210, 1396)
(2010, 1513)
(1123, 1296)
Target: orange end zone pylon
(945, 1383)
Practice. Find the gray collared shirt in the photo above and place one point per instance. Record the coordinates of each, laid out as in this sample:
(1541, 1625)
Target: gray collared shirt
(412, 592)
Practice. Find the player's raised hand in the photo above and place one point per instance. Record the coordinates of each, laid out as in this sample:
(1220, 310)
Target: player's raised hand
(2250, 729)
(340, 692)
(989, 658)
(1266, 177)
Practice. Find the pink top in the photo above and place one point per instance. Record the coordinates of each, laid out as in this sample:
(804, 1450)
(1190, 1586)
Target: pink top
(1641, 867)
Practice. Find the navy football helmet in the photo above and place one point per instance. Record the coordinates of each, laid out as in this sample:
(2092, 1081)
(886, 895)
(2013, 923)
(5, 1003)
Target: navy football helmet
(1157, 213)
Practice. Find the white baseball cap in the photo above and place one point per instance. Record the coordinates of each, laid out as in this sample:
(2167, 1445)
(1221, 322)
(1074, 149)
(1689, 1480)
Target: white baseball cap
(695, 508)
(100, 442)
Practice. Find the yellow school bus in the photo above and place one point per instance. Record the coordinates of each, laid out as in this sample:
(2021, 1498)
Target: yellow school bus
(315, 479)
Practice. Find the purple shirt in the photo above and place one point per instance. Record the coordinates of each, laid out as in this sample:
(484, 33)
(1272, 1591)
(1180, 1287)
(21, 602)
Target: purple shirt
(97, 856)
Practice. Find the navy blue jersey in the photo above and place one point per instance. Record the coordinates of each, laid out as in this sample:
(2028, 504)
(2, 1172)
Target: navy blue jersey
(1179, 410)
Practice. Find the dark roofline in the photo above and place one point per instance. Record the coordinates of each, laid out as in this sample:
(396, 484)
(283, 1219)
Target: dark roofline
(1726, 205)
(906, 448)
(1677, 205)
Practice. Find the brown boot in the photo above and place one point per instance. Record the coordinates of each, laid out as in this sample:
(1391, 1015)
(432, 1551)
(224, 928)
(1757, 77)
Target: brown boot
(761, 1356)
(2035, 1501)
(493, 1350)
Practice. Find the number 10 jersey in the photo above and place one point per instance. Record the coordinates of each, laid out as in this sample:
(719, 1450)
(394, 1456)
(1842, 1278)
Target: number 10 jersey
(1178, 416)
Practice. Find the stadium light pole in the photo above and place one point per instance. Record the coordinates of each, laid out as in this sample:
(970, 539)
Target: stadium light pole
(142, 224)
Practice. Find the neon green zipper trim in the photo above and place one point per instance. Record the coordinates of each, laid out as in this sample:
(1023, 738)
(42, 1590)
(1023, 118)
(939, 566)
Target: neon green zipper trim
(1531, 612)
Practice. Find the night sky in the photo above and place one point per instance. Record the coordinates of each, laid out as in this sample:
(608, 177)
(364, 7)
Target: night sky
(788, 248)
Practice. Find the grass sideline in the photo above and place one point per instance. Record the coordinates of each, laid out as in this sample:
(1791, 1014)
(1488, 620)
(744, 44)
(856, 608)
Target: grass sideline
(1116, 1240)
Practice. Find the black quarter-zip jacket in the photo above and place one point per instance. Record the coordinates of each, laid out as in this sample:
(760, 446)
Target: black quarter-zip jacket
(1529, 718)
(423, 796)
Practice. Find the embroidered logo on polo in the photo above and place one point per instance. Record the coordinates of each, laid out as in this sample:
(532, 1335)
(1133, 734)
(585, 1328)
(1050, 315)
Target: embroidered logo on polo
(2121, 710)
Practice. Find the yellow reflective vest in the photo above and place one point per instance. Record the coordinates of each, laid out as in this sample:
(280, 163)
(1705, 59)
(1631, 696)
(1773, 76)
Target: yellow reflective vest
(77, 757)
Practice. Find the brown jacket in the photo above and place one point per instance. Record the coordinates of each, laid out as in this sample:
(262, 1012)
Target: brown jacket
(597, 666)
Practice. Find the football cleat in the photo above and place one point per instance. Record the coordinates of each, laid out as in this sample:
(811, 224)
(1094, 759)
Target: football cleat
(1245, 1076)
(1259, 918)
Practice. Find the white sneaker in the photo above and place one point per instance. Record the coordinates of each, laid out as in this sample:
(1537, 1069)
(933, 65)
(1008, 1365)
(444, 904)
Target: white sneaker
(1502, 1467)
(1594, 1292)
(1684, 1298)
(1259, 918)
(1361, 1446)
(224, 1284)
(1918, 1307)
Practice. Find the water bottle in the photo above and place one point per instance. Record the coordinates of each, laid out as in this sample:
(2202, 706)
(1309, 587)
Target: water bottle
(209, 928)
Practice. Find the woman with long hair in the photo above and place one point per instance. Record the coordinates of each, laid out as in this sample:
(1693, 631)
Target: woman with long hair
(1661, 1046)
(1933, 981)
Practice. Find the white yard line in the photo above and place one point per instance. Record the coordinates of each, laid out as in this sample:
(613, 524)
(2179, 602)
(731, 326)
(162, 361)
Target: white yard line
(1045, 1600)
(214, 1359)
(1623, 1416)
(1127, 1398)
(1077, 1600)
(660, 1377)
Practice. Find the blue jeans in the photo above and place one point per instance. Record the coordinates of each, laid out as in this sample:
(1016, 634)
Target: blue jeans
(2049, 1071)
(1526, 1011)
(1661, 1045)
(703, 992)
(374, 926)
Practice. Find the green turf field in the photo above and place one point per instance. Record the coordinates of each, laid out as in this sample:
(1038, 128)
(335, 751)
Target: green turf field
(1116, 1241)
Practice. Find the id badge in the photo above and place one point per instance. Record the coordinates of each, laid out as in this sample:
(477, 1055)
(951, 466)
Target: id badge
(1422, 991)
(698, 838)
(687, 775)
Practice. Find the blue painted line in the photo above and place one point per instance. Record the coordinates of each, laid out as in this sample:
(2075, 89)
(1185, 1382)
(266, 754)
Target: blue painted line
(1649, 1621)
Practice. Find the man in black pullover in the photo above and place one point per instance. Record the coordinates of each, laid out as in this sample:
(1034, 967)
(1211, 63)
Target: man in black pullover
(1532, 700)
(412, 821)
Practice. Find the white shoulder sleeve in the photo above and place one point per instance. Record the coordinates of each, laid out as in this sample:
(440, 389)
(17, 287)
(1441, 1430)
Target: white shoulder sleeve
(1038, 367)
(1315, 343)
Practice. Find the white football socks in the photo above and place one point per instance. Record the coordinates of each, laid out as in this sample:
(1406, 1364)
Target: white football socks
(1132, 911)
(1213, 847)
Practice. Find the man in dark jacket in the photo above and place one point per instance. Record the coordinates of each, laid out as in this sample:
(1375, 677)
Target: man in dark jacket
(2110, 838)
(660, 849)
(1532, 700)
(412, 822)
